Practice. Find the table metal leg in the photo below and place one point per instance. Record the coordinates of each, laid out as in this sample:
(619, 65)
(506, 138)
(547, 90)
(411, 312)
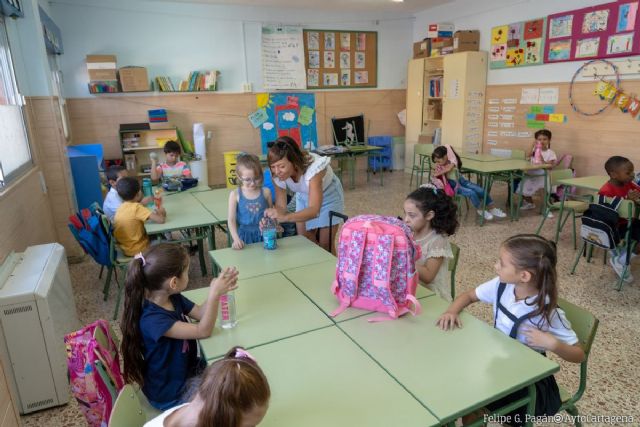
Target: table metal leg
(203, 264)
(531, 406)
(211, 237)
(487, 182)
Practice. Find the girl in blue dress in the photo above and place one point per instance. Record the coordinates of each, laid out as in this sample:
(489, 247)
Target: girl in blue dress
(248, 203)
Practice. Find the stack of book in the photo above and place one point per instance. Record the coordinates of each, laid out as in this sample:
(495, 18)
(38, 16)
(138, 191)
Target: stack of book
(200, 81)
(165, 84)
(435, 85)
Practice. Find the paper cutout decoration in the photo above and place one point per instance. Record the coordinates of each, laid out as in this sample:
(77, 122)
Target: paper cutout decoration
(345, 42)
(533, 51)
(514, 35)
(329, 41)
(330, 79)
(306, 115)
(536, 109)
(345, 60)
(361, 77)
(548, 109)
(313, 40)
(557, 118)
(534, 29)
(499, 34)
(535, 124)
(542, 117)
(623, 102)
(517, 44)
(560, 26)
(627, 17)
(314, 59)
(345, 77)
(258, 117)
(499, 52)
(360, 60)
(514, 57)
(587, 48)
(313, 77)
(559, 50)
(595, 21)
(620, 43)
(288, 119)
(361, 41)
(634, 107)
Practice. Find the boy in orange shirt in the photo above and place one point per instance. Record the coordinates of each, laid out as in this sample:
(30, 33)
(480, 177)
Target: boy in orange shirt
(621, 184)
(130, 217)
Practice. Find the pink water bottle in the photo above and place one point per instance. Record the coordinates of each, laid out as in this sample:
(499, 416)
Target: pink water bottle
(537, 154)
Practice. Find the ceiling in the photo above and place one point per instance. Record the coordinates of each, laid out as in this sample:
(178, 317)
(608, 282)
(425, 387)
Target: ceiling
(408, 6)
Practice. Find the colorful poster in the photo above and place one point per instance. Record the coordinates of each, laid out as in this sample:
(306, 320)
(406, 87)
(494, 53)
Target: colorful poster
(345, 42)
(313, 40)
(360, 60)
(534, 29)
(499, 34)
(361, 77)
(345, 60)
(258, 117)
(595, 21)
(313, 77)
(560, 26)
(361, 41)
(330, 79)
(620, 43)
(329, 59)
(587, 48)
(627, 17)
(314, 59)
(533, 51)
(515, 34)
(329, 41)
(284, 118)
(498, 52)
(517, 44)
(559, 50)
(345, 77)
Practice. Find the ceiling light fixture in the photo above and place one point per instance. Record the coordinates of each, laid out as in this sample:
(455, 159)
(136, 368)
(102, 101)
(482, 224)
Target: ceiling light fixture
(397, 1)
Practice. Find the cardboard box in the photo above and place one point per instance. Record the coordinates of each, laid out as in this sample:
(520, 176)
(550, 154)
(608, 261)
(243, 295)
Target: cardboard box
(466, 41)
(422, 49)
(101, 67)
(440, 43)
(133, 79)
(440, 30)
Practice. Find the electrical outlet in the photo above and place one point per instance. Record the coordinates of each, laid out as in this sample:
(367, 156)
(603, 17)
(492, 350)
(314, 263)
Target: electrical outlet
(246, 87)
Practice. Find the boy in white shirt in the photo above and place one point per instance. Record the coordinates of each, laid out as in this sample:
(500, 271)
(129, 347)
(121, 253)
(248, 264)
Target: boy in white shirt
(112, 201)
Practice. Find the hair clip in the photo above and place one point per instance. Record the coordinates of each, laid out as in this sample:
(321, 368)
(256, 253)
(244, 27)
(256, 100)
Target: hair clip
(243, 354)
(140, 256)
(431, 186)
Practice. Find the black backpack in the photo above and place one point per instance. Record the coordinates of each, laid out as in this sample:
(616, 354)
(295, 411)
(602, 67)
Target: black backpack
(600, 223)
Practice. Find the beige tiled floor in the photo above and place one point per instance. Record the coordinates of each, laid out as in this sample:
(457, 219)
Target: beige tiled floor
(614, 367)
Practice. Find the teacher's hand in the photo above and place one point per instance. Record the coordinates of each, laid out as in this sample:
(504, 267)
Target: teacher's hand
(276, 213)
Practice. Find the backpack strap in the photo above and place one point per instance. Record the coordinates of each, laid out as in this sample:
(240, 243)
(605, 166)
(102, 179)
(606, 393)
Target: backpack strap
(354, 252)
(615, 202)
(417, 310)
(517, 321)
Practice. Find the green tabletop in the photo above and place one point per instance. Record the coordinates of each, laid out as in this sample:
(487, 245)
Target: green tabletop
(483, 157)
(183, 212)
(216, 202)
(254, 260)
(196, 189)
(504, 165)
(322, 378)
(593, 183)
(315, 282)
(268, 308)
(453, 372)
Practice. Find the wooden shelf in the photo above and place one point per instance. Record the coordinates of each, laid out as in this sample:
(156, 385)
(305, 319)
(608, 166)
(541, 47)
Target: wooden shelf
(432, 120)
(141, 148)
(437, 98)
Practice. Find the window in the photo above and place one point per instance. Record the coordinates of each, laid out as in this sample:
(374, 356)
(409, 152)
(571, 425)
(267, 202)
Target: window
(15, 156)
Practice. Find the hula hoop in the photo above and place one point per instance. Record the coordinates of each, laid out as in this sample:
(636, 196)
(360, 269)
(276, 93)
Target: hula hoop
(573, 80)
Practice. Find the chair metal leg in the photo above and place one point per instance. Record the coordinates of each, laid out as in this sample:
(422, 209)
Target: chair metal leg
(101, 270)
(118, 298)
(572, 410)
(544, 218)
(575, 243)
(203, 265)
(578, 255)
(107, 283)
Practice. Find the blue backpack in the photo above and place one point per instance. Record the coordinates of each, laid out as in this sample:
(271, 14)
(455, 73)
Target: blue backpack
(92, 233)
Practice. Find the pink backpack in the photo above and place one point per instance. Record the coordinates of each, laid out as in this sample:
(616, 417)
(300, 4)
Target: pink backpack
(376, 267)
(94, 371)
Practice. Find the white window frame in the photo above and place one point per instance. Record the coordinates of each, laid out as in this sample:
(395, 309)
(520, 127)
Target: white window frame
(7, 75)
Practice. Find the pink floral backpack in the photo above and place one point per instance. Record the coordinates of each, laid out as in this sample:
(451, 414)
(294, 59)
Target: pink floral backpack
(94, 371)
(376, 267)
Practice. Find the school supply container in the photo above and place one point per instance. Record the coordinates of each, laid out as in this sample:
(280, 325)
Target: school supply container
(230, 168)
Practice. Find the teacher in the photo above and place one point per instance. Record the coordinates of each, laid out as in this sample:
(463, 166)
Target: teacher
(318, 190)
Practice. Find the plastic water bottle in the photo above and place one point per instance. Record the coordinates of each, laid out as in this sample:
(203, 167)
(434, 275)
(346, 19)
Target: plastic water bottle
(147, 189)
(269, 234)
(157, 198)
(228, 311)
(537, 153)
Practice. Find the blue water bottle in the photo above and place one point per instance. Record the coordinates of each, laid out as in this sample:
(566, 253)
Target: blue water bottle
(269, 234)
(147, 189)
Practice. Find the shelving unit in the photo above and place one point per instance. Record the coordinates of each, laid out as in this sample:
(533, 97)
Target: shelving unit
(138, 141)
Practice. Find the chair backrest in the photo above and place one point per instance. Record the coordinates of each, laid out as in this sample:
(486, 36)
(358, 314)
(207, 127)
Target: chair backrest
(423, 150)
(518, 154)
(349, 130)
(501, 152)
(557, 174)
(626, 209)
(127, 410)
(585, 326)
(331, 215)
(453, 266)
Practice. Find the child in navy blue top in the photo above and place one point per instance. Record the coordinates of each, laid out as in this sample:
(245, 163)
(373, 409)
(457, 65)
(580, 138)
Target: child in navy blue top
(248, 203)
(158, 343)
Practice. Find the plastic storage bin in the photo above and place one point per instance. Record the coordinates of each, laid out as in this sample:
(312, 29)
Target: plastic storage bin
(384, 162)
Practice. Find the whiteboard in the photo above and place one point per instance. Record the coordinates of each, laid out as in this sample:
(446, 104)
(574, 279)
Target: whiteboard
(14, 148)
(282, 58)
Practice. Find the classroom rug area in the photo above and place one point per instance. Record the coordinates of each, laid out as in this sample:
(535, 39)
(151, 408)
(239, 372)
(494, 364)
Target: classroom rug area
(613, 386)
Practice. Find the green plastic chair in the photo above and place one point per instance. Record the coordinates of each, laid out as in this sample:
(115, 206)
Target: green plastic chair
(421, 163)
(626, 210)
(127, 411)
(573, 207)
(585, 326)
(119, 262)
(518, 154)
(453, 266)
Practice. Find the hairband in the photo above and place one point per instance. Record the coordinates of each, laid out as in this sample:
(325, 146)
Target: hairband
(140, 256)
(431, 186)
(243, 354)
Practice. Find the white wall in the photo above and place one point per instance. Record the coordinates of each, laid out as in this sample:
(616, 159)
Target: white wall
(175, 38)
(484, 14)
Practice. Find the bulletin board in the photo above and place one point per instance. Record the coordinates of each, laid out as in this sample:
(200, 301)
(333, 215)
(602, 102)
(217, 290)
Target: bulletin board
(341, 59)
(605, 31)
(518, 44)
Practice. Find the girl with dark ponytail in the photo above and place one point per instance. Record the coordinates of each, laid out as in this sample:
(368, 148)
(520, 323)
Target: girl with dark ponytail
(159, 346)
(525, 301)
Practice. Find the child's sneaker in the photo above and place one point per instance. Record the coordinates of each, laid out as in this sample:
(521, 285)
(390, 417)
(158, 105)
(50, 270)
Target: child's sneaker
(487, 215)
(549, 214)
(498, 213)
(527, 206)
(619, 268)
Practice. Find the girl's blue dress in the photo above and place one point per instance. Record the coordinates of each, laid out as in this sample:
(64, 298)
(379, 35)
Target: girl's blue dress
(248, 215)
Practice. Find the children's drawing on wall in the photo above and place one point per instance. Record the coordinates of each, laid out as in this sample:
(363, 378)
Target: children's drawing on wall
(329, 41)
(345, 42)
(514, 57)
(595, 21)
(360, 59)
(314, 59)
(313, 40)
(349, 132)
(514, 35)
(313, 77)
(499, 34)
(361, 41)
(288, 114)
(561, 26)
(532, 51)
(620, 43)
(345, 77)
(499, 52)
(329, 59)
(627, 17)
(345, 60)
(533, 29)
(361, 77)
(559, 50)
(587, 48)
(330, 79)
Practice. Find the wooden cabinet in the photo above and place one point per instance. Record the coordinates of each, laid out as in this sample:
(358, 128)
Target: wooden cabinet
(138, 142)
(446, 93)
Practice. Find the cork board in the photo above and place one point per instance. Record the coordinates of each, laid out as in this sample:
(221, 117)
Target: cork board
(341, 59)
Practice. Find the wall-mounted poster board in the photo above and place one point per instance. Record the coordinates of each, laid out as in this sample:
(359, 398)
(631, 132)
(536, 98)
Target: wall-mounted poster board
(517, 44)
(605, 31)
(341, 59)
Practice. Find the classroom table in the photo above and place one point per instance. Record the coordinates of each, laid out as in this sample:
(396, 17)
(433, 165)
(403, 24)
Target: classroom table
(452, 373)
(322, 378)
(254, 260)
(482, 157)
(315, 281)
(268, 308)
(349, 156)
(217, 202)
(184, 212)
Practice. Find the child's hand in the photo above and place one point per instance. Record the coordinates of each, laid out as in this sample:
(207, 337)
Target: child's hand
(146, 200)
(226, 281)
(237, 244)
(538, 339)
(449, 321)
(161, 211)
(153, 156)
(276, 213)
(633, 195)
